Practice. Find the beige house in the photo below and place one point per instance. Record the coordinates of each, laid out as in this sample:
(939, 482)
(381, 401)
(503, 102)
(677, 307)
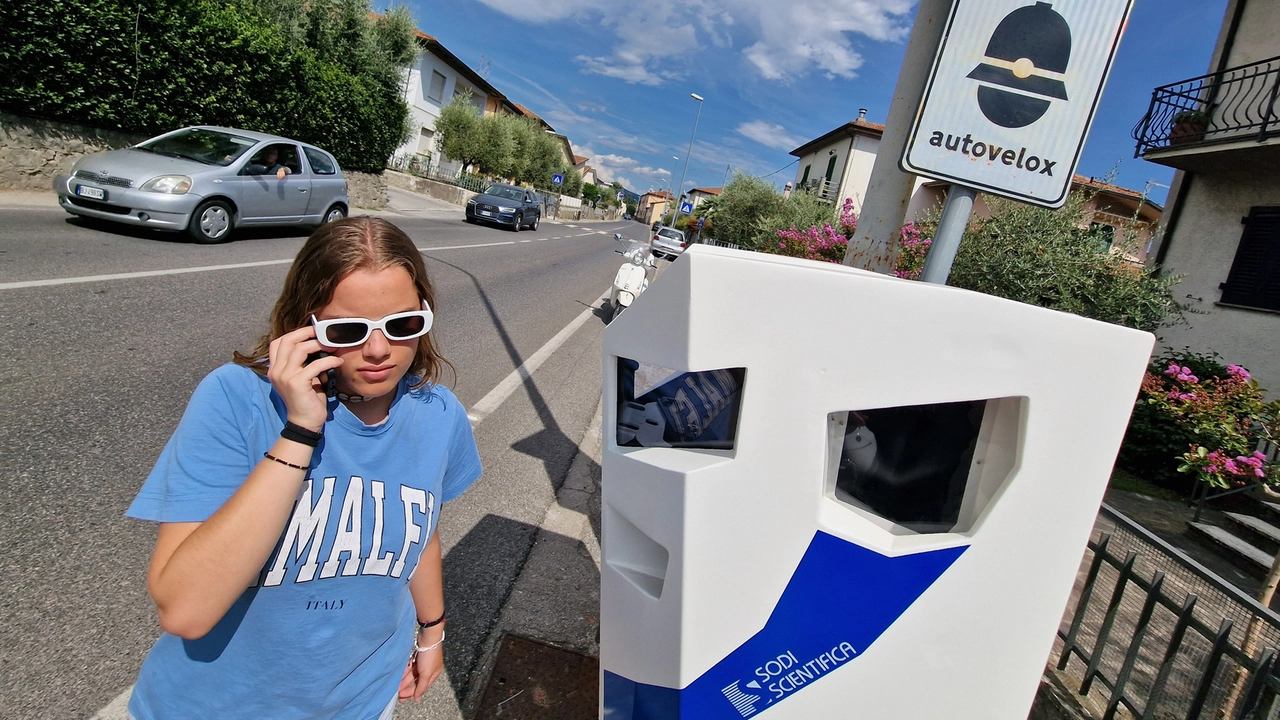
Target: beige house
(587, 172)
(1221, 131)
(653, 205)
(1126, 218)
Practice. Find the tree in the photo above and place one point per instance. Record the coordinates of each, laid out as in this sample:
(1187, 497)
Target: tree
(738, 211)
(213, 62)
(591, 193)
(496, 148)
(459, 128)
(572, 186)
(1049, 258)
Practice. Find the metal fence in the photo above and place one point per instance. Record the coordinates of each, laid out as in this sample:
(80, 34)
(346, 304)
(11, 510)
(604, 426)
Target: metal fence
(1155, 635)
(1238, 103)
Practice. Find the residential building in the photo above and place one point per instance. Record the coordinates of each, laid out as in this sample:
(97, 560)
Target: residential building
(838, 164)
(587, 172)
(566, 150)
(435, 77)
(522, 110)
(1221, 132)
(1125, 219)
(697, 196)
(653, 205)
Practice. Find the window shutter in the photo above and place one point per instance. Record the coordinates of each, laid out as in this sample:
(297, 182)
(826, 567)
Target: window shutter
(1254, 280)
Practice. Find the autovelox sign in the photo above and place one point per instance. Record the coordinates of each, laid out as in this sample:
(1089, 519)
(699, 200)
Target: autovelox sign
(1013, 91)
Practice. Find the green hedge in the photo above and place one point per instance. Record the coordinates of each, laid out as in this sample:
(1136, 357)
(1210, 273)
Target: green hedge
(157, 65)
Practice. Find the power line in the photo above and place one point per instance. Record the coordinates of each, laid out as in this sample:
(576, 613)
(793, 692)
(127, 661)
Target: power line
(784, 167)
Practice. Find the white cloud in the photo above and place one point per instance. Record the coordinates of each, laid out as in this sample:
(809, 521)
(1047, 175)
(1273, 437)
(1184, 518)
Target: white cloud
(610, 167)
(769, 134)
(801, 34)
(782, 40)
(543, 11)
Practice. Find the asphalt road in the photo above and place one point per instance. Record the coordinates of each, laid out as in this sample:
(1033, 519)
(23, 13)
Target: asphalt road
(96, 375)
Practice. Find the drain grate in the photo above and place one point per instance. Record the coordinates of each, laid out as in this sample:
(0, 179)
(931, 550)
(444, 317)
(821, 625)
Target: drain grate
(535, 681)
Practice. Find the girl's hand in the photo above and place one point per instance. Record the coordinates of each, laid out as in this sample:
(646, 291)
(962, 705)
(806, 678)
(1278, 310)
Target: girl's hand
(298, 383)
(420, 673)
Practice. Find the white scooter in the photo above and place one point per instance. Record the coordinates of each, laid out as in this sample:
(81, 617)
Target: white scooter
(632, 277)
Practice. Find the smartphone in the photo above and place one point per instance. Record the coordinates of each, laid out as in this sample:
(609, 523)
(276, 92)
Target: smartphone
(332, 374)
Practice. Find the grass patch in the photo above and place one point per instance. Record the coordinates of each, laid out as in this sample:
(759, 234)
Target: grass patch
(1128, 482)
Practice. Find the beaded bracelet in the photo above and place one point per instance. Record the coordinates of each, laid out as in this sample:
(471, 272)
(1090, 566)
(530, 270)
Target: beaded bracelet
(269, 456)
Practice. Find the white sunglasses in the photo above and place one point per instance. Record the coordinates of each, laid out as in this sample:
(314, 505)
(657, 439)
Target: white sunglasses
(349, 332)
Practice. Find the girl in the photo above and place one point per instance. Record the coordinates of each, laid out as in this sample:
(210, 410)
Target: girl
(297, 566)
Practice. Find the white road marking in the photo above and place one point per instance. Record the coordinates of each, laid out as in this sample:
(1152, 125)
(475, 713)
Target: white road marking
(204, 268)
(526, 241)
(512, 382)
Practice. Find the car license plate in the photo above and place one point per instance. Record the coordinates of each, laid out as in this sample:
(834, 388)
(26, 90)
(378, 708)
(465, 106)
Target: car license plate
(91, 192)
(486, 213)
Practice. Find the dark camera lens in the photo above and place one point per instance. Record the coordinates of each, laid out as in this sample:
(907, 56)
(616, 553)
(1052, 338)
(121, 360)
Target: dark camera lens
(346, 333)
(405, 327)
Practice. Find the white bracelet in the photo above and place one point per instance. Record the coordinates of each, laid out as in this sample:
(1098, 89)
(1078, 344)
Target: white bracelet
(428, 648)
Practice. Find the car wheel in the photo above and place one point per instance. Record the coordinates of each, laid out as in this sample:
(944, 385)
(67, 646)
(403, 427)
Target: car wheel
(617, 310)
(515, 226)
(335, 212)
(536, 218)
(212, 222)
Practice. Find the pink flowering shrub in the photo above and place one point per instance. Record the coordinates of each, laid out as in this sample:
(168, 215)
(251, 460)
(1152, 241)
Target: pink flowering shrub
(828, 243)
(1224, 416)
(913, 246)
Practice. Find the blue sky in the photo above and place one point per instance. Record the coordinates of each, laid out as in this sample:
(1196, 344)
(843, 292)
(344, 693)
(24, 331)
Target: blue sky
(616, 79)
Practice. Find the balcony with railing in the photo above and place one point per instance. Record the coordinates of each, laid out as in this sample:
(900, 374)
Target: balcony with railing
(1213, 120)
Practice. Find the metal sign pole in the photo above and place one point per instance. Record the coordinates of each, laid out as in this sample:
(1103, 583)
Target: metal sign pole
(946, 239)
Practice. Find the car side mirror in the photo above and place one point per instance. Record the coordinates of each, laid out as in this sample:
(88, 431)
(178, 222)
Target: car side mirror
(254, 169)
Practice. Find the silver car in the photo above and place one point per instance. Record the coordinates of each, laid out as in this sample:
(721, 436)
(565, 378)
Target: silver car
(207, 181)
(668, 241)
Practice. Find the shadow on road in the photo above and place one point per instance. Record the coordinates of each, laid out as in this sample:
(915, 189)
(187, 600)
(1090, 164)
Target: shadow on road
(481, 570)
(142, 233)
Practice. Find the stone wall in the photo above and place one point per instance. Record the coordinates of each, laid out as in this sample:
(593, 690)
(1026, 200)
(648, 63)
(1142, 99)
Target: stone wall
(32, 151)
(442, 191)
(366, 190)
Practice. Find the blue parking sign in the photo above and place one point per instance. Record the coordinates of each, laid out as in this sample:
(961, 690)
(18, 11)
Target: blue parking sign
(557, 179)
(686, 207)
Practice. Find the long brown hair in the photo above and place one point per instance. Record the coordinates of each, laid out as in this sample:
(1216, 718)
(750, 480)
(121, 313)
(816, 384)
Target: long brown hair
(333, 252)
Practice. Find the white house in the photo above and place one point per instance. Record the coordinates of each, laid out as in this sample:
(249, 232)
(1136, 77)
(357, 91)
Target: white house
(838, 164)
(433, 80)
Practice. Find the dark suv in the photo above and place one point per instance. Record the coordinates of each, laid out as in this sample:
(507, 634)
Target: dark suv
(508, 205)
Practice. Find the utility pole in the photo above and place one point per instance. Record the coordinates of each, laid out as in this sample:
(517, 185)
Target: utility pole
(889, 192)
(675, 213)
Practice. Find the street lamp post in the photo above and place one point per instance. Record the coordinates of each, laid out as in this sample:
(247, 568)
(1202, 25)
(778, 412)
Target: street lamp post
(676, 214)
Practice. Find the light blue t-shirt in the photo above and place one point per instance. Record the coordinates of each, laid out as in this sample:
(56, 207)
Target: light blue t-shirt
(326, 630)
